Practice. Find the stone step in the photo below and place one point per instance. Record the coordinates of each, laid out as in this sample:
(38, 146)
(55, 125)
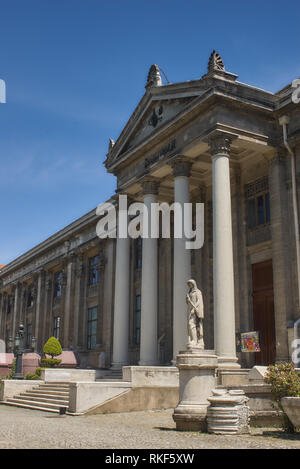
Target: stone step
(55, 383)
(35, 404)
(43, 397)
(50, 391)
(53, 386)
(26, 406)
(50, 397)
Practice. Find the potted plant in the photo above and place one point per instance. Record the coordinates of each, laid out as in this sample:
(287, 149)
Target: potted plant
(285, 388)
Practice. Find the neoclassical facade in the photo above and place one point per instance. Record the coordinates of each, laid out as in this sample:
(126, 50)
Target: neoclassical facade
(217, 141)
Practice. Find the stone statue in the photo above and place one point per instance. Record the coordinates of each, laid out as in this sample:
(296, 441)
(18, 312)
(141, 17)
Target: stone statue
(195, 316)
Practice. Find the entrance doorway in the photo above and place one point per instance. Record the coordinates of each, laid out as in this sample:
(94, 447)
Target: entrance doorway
(263, 311)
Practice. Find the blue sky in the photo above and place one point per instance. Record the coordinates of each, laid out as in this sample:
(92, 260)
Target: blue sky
(76, 69)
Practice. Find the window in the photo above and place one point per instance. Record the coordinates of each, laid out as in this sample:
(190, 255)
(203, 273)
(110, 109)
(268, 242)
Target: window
(258, 202)
(28, 335)
(138, 253)
(93, 270)
(8, 306)
(138, 319)
(58, 284)
(30, 299)
(258, 210)
(56, 327)
(92, 328)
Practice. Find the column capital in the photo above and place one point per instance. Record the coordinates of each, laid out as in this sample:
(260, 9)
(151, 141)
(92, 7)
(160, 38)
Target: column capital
(150, 185)
(220, 144)
(181, 166)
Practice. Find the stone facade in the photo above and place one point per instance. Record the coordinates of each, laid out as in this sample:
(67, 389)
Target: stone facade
(116, 302)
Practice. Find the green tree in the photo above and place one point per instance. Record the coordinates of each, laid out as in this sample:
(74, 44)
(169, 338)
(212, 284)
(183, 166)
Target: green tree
(53, 348)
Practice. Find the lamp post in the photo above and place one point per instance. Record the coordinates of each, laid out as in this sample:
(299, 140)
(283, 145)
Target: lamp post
(18, 350)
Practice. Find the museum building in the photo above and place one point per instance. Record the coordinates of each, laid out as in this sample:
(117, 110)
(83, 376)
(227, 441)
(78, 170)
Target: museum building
(234, 148)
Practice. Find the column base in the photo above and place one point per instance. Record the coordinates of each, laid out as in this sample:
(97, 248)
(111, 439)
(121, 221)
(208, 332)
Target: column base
(118, 366)
(190, 418)
(228, 363)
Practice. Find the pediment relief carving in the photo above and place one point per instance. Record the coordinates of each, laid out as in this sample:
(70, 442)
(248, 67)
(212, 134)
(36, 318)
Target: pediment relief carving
(155, 115)
(159, 113)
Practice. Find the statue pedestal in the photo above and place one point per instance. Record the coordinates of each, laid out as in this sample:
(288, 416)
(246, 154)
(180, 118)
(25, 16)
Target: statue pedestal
(196, 381)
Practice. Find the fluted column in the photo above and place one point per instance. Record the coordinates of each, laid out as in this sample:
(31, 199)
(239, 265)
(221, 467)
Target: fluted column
(121, 301)
(15, 308)
(39, 309)
(182, 259)
(69, 300)
(1, 314)
(224, 310)
(149, 287)
(79, 291)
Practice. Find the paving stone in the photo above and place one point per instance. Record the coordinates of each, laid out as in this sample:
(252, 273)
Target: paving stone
(32, 429)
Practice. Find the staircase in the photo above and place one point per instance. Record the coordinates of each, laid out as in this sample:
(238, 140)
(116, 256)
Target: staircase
(48, 397)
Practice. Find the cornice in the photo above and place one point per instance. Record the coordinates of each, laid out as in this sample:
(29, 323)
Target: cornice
(210, 97)
(58, 246)
(201, 89)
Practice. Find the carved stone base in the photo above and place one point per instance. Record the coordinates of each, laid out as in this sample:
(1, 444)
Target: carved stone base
(196, 381)
(228, 413)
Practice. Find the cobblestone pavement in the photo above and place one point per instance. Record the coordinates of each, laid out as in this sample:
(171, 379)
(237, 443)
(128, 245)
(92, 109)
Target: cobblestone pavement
(32, 429)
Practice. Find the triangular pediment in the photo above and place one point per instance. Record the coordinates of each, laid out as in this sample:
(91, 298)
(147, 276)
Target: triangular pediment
(155, 111)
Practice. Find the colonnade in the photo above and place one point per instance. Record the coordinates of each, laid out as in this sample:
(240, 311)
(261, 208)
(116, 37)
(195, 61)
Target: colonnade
(224, 314)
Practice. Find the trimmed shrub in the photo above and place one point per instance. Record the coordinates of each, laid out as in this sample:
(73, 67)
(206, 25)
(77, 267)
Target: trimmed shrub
(52, 347)
(50, 362)
(32, 376)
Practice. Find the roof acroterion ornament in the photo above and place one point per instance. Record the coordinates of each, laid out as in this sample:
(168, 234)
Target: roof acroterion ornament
(154, 78)
(110, 144)
(215, 62)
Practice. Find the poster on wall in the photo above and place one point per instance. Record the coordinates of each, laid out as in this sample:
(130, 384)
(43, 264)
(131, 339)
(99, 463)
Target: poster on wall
(250, 341)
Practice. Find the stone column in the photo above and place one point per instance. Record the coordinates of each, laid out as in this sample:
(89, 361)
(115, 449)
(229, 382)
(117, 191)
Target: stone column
(47, 309)
(15, 310)
(279, 220)
(121, 304)
(4, 315)
(38, 309)
(182, 259)
(224, 310)
(1, 314)
(149, 287)
(79, 275)
(107, 305)
(68, 301)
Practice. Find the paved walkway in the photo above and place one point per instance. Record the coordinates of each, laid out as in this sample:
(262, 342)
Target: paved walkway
(32, 429)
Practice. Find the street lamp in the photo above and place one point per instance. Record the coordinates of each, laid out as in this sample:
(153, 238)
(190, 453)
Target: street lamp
(17, 345)
(18, 350)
